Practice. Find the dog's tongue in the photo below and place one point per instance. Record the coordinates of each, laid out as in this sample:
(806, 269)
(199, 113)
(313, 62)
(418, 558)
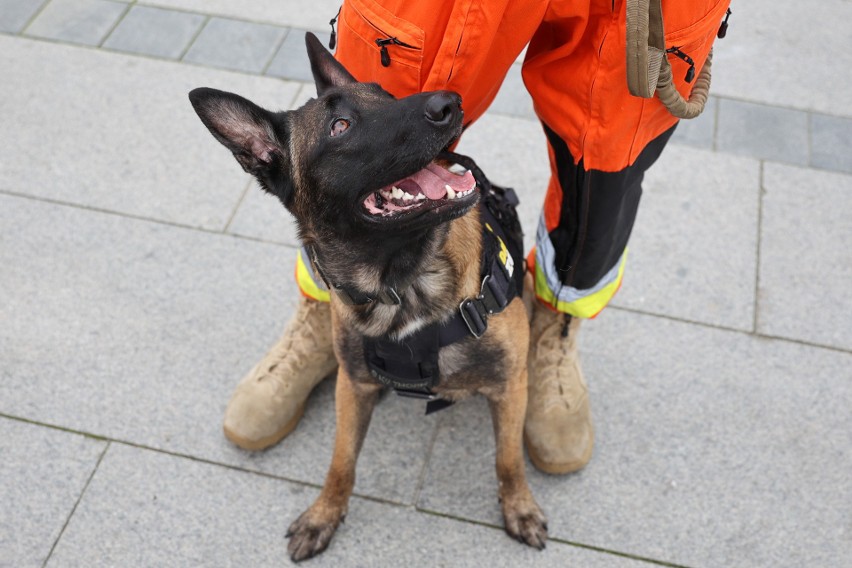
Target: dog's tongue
(433, 179)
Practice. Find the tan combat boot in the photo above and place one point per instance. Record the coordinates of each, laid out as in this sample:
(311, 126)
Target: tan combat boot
(558, 430)
(269, 402)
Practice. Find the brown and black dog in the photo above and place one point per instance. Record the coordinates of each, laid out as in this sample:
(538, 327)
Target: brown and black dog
(356, 168)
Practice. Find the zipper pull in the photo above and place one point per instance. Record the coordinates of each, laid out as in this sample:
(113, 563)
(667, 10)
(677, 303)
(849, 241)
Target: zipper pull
(723, 28)
(332, 42)
(690, 73)
(383, 49)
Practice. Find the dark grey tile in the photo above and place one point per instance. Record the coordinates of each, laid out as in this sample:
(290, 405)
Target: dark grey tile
(831, 142)
(699, 131)
(806, 256)
(42, 474)
(291, 60)
(234, 44)
(712, 449)
(14, 14)
(154, 31)
(77, 21)
(766, 132)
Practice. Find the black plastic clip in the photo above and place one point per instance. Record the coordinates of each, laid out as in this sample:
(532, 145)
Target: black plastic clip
(690, 73)
(475, 316)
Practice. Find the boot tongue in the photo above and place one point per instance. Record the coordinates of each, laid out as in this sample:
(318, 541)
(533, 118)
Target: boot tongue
(433, 179)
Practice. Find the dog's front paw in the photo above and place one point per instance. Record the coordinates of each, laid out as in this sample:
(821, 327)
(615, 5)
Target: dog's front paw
(525, 521)
(310, 533)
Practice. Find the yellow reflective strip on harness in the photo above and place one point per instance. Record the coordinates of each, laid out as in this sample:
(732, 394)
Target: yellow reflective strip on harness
(584, 307)
(503, 255)
(307, 282)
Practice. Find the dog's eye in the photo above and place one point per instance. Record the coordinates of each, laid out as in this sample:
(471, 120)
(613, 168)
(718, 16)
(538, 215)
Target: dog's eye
(339, 126)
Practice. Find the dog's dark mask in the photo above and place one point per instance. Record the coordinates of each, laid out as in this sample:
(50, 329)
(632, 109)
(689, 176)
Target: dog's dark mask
(353, 158)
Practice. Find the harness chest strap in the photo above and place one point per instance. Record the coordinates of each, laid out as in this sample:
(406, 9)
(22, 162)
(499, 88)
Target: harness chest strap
(411, 367)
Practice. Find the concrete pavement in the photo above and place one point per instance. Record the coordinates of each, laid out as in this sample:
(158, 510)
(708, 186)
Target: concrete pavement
(142, 273)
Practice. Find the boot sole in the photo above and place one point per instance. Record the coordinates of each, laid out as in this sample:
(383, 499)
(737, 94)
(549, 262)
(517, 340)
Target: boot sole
(558, 468)
(267, 441)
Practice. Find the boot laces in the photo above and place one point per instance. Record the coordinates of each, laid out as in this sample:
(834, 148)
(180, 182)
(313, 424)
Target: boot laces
(300, 342)
(557, 366)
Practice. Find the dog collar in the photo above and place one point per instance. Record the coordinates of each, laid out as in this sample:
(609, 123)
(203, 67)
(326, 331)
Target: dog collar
(350, 295)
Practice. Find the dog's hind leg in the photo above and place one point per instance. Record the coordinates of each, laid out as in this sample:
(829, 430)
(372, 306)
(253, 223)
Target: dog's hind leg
(523, 518)
(312, 531)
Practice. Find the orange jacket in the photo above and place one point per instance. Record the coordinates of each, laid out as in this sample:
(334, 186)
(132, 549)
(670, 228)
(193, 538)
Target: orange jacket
(574, 69)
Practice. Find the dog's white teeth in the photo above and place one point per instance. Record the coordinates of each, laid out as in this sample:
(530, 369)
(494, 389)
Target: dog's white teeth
(451, 193)
(407, 196)
(397, 193)
(419, 197)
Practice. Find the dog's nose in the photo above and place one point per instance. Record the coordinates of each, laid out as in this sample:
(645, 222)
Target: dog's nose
(441, 107)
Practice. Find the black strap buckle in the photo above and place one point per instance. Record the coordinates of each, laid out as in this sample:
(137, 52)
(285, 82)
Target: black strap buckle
(474, 315)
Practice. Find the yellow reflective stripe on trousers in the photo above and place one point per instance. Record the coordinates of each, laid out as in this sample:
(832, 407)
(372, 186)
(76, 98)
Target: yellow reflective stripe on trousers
(579, 303)
(309, 284)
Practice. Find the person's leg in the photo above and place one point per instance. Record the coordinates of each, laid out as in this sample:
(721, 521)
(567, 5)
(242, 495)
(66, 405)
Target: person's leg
(601, 140)
(576, 268)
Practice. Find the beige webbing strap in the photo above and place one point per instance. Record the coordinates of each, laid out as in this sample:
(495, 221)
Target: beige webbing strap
(648, 68)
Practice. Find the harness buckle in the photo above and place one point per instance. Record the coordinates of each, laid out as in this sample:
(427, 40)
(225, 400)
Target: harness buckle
(475, 316)
(491, 295)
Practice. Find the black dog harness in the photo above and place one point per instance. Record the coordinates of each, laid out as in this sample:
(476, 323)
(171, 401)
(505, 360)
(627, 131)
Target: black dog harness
(410, 366)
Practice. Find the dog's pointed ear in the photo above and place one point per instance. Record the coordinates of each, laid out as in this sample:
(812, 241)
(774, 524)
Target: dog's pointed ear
(326, 69)
(257, 140)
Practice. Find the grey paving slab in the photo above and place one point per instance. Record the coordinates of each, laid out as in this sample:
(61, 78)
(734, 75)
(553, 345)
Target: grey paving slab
(291, 60)
(85, 22)
(699, 131)
(513, 98)
(42, 475)
(14, 14)
(262, 216)
(154, 325)
(693, 249)
(312, 15)
(766, 132)
(234, 44)
(831, 142)
(155, 31)
(203, 515)
(713, 448)
(806, 256)
(117, 132)
(777, 53)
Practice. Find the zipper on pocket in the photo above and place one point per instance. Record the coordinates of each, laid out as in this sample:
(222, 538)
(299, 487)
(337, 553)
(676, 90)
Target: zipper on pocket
(333, 40)
(723, 27)
(690, 73)
(383, 48)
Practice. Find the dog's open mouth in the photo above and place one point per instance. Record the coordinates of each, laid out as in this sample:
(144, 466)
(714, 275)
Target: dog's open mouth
(430, 188)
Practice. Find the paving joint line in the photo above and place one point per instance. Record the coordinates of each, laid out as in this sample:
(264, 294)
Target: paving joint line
(760, 191)
(76, 504)
(194, 38)
(33, 18)
(237, 206)
(127, 6)
(397, 504)
(421, 481)
(269, 61)
(174, 224)
(553, 539)
(295, 247)
(718, 327)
